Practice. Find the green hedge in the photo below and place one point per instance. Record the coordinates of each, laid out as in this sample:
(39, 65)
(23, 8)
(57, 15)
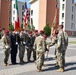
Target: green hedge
(11, 27)
(47, 30)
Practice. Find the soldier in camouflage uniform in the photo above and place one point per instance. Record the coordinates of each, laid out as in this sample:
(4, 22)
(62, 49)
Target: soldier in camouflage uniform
(61, 47)
(2, 37)
(22, 46)
(6, 41)
(35, 34)
(54, 42)
(39, 46)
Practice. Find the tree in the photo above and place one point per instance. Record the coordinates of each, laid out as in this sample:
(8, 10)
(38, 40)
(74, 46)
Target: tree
(21, 26)
(32, 27)
(11, 27)
(29, 27)
(47, 30)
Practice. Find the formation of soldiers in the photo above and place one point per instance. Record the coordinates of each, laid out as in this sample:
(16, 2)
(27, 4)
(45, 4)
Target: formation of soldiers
(34, 42)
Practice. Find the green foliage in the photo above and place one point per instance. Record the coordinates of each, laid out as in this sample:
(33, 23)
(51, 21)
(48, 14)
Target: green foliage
(32, 27)
(47, 30)
(21, 25)
(11, 27)
(29, 27)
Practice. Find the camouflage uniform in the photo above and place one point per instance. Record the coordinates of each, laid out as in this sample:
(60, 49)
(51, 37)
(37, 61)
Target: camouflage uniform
(39, 46)
(21, 47)
(6, 41)
(61, 48)
(54, 42)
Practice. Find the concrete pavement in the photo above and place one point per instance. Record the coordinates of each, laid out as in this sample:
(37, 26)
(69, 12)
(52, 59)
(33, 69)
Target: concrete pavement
(30, 68)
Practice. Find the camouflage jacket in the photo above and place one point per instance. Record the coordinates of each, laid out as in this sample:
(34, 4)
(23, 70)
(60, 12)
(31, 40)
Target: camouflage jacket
(62, 41)
(39, 44)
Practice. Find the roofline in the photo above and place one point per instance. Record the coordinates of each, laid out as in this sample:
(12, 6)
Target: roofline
(32, 1)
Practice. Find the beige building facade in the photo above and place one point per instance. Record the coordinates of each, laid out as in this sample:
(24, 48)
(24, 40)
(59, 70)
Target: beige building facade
(42, 12)
(67, 16)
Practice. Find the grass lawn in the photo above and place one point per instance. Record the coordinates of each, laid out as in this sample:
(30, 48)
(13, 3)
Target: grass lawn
(72, 42)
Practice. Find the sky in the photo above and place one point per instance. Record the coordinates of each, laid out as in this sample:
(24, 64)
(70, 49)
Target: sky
(28, 5)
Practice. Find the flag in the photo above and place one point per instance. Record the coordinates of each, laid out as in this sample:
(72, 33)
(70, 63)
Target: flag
(55, 22)
(25, 16)
(16, 21)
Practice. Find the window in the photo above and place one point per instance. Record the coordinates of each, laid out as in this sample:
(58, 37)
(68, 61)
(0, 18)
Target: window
(71, 25)
(22, 13)
(62, 15)
(56, 0)
(31, 12)
(62, 6)
(56, 5)
(31, 20)
(9, 12)
(13, 18)
(72, 1)
(72, 8)
(72, 18)
(10, 6)
(22, 19)
(13, 12)
(23, 7)
(9, 19)
(62, 23)
(14, 5)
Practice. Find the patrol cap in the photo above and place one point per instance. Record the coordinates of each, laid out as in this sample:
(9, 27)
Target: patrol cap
(6, 31)
(41, 32)
(35, 31)
(30, 32)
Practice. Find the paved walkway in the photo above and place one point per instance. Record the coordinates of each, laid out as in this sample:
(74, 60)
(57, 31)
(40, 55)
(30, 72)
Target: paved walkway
(30, 68)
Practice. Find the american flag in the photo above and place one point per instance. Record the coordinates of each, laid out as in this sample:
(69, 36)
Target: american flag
(25, 16)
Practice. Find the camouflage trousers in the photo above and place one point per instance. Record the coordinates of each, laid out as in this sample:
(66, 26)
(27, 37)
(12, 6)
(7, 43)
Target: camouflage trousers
(29, 51)
(39, 60)
(21, 51)
(6, 55)
(60, 58)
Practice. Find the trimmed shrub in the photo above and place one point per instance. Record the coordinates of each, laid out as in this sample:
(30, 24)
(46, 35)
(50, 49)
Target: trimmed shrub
(47, 30)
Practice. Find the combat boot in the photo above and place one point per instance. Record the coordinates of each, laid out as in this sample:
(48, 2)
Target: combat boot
(39, 70)
(60, 70)
(44, 65)
(6, 64)
(56, 65)
(21, 61)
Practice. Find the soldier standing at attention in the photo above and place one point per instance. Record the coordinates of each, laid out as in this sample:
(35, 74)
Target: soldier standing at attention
(35, 34)
(39, 46)
(21, 46)
(61, 47)
(14, 47)
(6, 41)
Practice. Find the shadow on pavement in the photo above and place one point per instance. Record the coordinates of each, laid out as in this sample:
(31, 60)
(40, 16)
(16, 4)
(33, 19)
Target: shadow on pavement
(72, 68)
(48, 59)
(70, 64)
(50, 64)
(50, 68)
